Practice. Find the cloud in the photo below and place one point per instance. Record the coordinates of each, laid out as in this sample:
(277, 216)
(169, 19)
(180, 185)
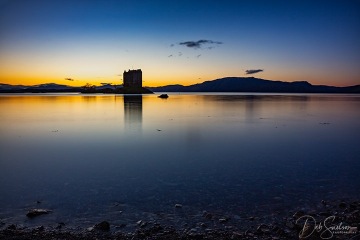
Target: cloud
(198, 44)
(253, 71)
(69, 79)
(170, 55)
(198, 56)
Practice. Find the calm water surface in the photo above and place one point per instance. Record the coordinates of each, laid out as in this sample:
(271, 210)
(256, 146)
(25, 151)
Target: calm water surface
(127, 158)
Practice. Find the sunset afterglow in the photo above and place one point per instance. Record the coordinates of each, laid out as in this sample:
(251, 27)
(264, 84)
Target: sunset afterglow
(95, 41)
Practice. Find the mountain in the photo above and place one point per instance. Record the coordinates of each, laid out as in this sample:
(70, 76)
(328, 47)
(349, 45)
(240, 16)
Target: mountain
(107, 86)
(48, 87)
(228, 84)
(11, 87)
(251, 84)
(54, 88)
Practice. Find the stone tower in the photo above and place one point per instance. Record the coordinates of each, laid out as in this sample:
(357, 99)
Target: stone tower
(133, 78)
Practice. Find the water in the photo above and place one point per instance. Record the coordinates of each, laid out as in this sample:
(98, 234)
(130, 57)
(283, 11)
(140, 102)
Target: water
(127, 158)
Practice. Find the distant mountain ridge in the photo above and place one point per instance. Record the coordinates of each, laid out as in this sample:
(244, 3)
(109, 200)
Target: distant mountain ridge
(227, 84)
(251, 84)
(58, 88)
(47, 87)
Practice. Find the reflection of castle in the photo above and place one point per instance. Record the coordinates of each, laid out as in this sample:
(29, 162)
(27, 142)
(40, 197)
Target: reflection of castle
(133, 111)
(133, 78)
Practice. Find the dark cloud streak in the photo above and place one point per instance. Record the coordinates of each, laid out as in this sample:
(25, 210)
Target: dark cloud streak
(198, 44)
(253, 71)
(69, 79)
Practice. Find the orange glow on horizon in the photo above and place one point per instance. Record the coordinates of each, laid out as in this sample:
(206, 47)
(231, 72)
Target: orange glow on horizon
(155, 81)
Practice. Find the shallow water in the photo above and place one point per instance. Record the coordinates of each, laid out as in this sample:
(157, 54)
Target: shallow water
(127, 158)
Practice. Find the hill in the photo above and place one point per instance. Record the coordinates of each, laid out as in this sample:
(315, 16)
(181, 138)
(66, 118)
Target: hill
(251, 84)
(228, 84)
(57, 88)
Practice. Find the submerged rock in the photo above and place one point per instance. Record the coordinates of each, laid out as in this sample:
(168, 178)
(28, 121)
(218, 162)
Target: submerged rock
(141, 223)
(263, 229)
(60, 225)
(39, 229)
(37, 212)
(103, 226)
(290, 225)
(342, 205)
(251, 218)
(298, 214)
(203, 225)
(12, 227)
(207, 215)
(223, 220)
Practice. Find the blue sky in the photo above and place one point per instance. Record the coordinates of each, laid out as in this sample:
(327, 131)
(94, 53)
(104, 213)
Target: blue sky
(95, 41)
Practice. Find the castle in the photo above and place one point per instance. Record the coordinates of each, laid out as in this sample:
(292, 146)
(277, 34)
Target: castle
(133, 78)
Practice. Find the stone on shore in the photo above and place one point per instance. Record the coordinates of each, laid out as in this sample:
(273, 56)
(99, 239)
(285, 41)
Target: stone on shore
(37, 212)
(103, 226)
(163, 96)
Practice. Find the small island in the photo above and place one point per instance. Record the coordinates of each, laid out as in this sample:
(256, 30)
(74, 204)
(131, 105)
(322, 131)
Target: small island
(132, 85)
(163, 96)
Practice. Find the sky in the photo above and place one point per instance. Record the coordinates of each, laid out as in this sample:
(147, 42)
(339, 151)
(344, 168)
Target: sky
(179, 42)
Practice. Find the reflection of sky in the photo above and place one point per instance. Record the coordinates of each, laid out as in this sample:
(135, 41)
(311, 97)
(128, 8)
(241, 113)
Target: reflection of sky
(94, 41)
(213, 152)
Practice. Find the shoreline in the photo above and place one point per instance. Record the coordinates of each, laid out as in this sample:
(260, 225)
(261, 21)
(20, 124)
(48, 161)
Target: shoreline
(339, 218)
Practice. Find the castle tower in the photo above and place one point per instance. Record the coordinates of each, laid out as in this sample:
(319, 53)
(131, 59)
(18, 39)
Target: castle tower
(133, 78)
